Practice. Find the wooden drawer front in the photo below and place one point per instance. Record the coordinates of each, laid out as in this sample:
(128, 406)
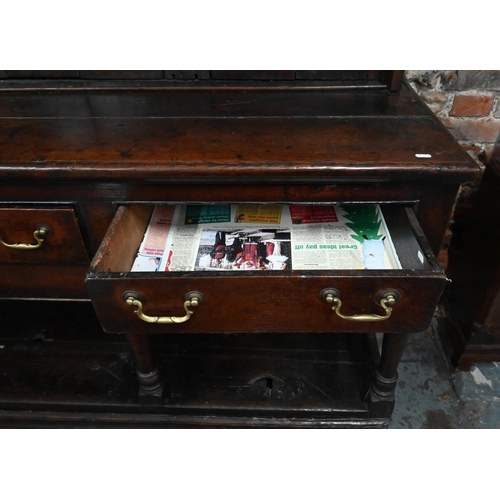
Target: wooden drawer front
(46, 281)
(265, 304)
(281, 301)
(63, 243)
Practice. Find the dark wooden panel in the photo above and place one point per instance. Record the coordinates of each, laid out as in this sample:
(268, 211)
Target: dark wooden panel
(187, 75)
(28, 85)
(473, 295)
(252, 75)
(60, 370)
(24, 79)
(216, 103)
(42, 74)
(48, 281)
(285, 302)
(330, 75)
(95, 218)
(394, 80)
(122, 74)
(231, 147)
(320, 189)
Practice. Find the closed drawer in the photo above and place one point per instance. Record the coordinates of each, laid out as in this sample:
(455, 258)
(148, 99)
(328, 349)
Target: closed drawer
(41, 264)
(23, 239)
(278, 301)
(43, 281)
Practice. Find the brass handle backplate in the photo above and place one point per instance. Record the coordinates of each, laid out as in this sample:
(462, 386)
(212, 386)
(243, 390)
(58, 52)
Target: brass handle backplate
(39, 235)
(192, 299)
(386, 300)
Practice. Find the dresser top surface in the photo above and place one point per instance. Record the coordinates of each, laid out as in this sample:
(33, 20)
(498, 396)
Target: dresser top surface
(221, 133)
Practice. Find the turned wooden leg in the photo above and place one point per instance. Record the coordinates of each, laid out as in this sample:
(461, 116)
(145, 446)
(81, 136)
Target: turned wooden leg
(381, 395)
(146, 368)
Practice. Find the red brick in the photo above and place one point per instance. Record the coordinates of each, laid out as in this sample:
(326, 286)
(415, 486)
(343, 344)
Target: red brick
(472, 105)
(473, 130)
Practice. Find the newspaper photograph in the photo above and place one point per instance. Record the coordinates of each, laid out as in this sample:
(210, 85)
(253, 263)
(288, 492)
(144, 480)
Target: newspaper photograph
(244, 249)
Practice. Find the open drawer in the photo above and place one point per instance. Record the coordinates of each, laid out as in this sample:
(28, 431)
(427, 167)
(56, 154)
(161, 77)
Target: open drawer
(391, 301)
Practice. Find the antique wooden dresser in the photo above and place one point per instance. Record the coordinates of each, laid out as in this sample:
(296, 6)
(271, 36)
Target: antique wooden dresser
(84, 157)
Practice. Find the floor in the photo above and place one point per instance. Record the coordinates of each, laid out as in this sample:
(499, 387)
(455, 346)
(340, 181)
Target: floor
(430, 395)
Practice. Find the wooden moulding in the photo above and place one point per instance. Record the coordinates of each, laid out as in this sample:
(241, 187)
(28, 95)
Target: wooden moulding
(93, 104)
(77, 79)
(254, 148)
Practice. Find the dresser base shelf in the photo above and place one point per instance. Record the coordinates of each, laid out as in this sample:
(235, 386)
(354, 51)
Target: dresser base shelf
(71, 374)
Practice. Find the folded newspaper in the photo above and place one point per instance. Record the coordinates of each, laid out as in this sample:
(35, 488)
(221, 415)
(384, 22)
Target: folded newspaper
(266, 237)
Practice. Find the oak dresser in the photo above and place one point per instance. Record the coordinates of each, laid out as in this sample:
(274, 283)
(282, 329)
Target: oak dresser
(84, 158)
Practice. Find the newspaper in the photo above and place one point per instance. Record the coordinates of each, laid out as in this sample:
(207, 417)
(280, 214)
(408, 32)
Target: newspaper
(157, 241)
(268, 238)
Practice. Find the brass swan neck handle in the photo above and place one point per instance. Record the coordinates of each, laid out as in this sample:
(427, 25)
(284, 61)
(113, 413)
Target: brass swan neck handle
(192, 299)
(39, 235)
(386, 301)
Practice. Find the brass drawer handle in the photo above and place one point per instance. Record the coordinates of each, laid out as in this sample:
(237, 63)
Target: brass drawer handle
(387, 300)
(193, 299)
(39, 235)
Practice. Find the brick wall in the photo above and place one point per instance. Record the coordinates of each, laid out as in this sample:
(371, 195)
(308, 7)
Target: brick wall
(468, 104)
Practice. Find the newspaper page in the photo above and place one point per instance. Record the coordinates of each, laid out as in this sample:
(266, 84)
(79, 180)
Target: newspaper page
(341, 237)
(277, 237)
(158, 236)
(246, 237)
